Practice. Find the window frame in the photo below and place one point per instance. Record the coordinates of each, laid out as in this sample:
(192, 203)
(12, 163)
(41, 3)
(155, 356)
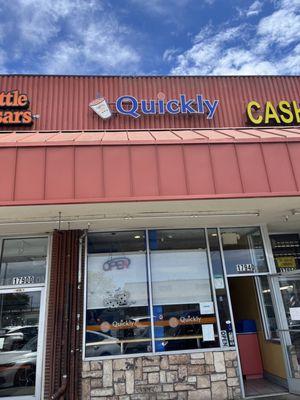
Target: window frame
(263, 310)
(148, 267)
(270, 265)
(264, 244)
(41, 287)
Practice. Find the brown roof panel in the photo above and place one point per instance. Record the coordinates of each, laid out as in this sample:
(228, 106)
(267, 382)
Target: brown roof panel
(188, 135)
(15, 136)
(213, 134)
(64, 136)
(261, 133)
(164, 135)
(90, 136)
(33, 138)
(37, 137)
(284, 132)
(140, 135)
(115, 136)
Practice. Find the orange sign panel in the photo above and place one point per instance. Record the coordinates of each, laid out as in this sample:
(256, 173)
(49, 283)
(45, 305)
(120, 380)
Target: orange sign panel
(14, 108)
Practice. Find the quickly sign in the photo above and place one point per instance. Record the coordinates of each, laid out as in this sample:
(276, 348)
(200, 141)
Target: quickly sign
(129, 105)
(14, 108)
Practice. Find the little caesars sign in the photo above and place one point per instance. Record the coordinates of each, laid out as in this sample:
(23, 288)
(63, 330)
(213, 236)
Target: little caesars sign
(132, 107)
(14, 108)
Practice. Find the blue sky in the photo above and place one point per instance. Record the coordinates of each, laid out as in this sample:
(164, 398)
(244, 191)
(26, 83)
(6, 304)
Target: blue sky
(157, 37)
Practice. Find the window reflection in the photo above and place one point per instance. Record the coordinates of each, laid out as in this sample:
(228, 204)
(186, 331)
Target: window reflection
(270, 318)
(23, 261)
(118, 316)
(184, 315)
(243, 250)
(19, 316)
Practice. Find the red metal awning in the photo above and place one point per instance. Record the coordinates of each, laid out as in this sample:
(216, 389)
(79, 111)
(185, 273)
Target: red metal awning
(82, 167)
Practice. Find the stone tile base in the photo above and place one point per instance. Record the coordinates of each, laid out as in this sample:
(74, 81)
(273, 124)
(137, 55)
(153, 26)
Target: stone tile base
(196, 376)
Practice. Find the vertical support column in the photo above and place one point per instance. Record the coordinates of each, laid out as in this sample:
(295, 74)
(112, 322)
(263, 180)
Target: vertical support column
(231, 313)
(65, 302)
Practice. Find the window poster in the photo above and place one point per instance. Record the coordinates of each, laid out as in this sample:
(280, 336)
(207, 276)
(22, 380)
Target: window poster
(117, 280)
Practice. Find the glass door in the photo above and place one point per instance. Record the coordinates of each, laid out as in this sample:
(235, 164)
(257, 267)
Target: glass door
(19, 344)
(287, 289)
(22, 285)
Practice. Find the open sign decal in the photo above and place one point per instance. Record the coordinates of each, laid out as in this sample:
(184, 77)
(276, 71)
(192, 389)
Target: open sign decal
(116, 263)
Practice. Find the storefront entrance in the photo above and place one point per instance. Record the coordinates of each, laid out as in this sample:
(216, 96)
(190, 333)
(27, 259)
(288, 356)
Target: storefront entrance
(261, 357)
(22, 313)
(167, 290)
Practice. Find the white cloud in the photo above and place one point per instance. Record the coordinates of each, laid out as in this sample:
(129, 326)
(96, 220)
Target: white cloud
(71, 37)
(270, 47)
(39, 21)
(206, 54)
(290, 4)
(254, 9)
(97, 49)
(169, 55)
(290, 64)
(282, 27)
(161, 7)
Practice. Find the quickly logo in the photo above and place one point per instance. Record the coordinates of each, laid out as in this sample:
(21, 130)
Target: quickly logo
(130, 106)
(101, 108)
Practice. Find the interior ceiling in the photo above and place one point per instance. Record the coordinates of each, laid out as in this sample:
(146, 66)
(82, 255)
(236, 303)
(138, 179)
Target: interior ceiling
(276, 212)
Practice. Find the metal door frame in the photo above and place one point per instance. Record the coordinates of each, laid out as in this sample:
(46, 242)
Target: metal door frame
(39, 355)
(43, 289)
(283, 328)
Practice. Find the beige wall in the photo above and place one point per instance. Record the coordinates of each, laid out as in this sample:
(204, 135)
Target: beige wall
(245, 306)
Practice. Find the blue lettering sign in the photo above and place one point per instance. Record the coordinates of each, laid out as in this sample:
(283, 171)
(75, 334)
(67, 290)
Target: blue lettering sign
(148, 108)
(133, 106)
(170, 107)
(186, 105)
(129, 105)
(200, 104)
(161, 107)
(211, 108)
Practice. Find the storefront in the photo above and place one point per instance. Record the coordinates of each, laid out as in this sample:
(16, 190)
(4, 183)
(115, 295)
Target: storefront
(149, 237)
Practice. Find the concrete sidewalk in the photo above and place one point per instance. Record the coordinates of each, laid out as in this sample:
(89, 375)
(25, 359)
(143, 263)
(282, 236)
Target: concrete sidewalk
(286, 396)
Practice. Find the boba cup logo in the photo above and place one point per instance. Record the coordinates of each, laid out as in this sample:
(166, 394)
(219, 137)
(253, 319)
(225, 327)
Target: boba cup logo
(101, 108)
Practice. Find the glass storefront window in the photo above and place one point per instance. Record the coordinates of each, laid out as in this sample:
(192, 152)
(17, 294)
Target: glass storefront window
(286, 252)
(243, 251)
(117, 316)
(23, 261)
(159, 296)
(184, 314)
(227, 337)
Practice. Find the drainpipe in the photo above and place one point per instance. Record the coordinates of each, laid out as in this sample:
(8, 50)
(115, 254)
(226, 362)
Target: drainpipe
(65, 381)
(57, 395)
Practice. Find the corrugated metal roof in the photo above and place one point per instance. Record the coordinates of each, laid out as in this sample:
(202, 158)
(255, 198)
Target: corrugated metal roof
(32, 138)
(226, 166)
(62, 101)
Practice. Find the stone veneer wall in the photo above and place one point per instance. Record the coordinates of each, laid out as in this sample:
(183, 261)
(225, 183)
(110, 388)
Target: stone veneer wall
(195, 376)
